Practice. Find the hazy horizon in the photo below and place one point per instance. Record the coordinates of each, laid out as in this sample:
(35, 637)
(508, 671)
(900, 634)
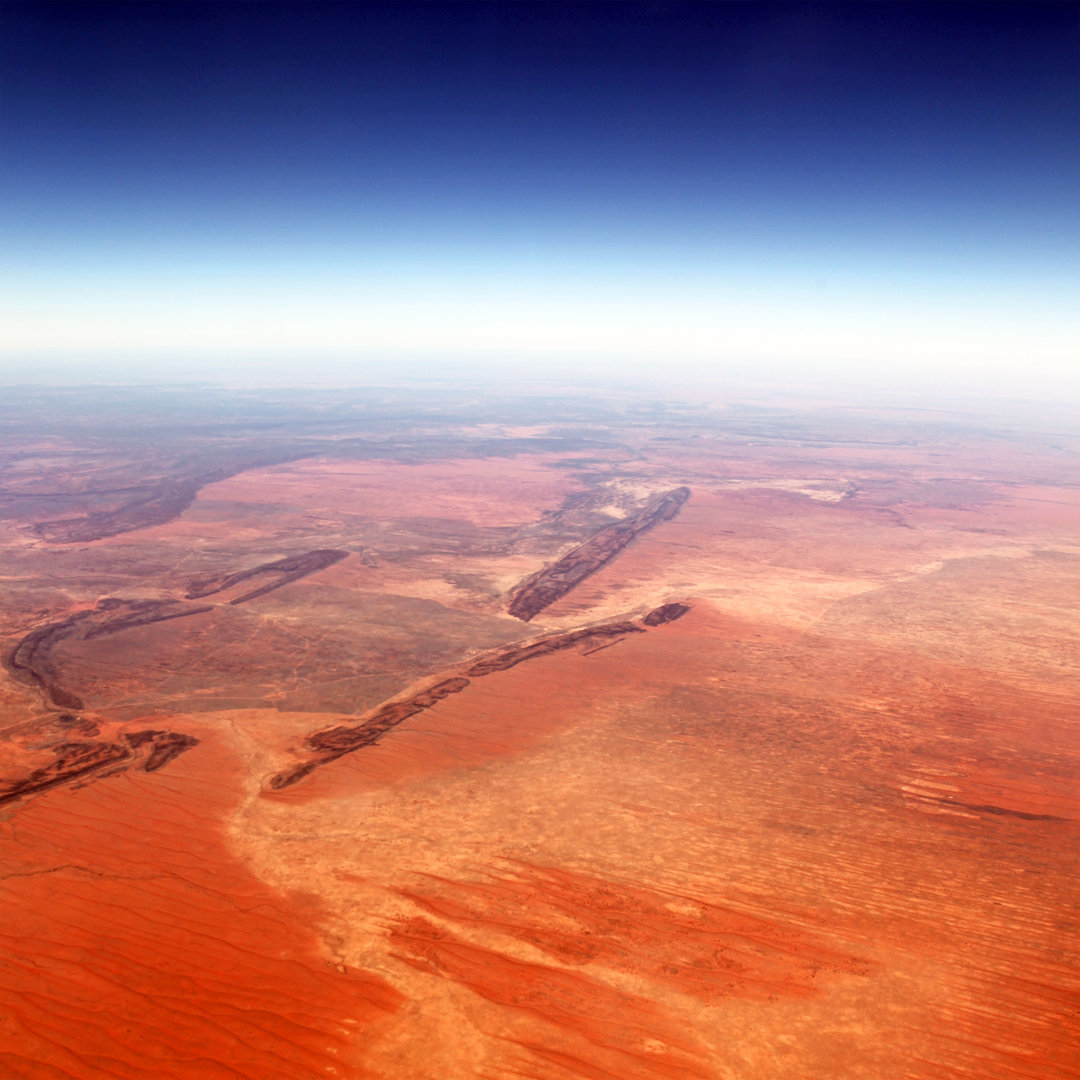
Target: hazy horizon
(843, 195)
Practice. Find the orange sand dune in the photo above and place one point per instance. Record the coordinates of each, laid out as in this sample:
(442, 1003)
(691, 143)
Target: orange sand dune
(584, 1024)
(136, 946)
(708, 950)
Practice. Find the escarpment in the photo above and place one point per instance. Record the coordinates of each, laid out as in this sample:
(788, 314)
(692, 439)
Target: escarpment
(555, 581)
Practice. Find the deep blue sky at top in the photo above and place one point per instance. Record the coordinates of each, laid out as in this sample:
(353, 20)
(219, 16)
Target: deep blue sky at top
(816, 146)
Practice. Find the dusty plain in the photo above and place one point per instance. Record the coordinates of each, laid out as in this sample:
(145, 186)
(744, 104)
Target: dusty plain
(431, 735)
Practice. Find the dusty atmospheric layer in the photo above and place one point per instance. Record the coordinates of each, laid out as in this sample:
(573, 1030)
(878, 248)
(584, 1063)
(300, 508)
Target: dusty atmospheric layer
(547, 737)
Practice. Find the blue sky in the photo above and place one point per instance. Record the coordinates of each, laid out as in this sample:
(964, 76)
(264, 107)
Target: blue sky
(833, 191)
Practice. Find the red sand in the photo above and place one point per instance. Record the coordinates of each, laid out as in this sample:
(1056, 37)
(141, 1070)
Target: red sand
(136, 946)
(787, 848)
(827, 825)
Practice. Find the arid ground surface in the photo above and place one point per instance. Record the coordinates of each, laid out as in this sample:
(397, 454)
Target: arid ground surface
(430, 736)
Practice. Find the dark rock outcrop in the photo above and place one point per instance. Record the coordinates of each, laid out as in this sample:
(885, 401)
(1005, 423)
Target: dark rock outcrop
(555, 581)
(281, 572)
(665, 613)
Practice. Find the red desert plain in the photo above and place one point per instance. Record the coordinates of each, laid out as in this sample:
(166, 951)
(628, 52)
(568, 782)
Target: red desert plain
(413, 736)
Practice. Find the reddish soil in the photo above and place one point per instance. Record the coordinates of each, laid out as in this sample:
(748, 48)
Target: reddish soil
(708, 950)
(802, 845)
(781, 782)
(576, 1023)
(493, 492)
(135, 945)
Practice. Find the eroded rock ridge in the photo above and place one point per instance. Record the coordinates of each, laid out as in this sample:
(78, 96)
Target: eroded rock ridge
(554, 582)
(333, 743)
